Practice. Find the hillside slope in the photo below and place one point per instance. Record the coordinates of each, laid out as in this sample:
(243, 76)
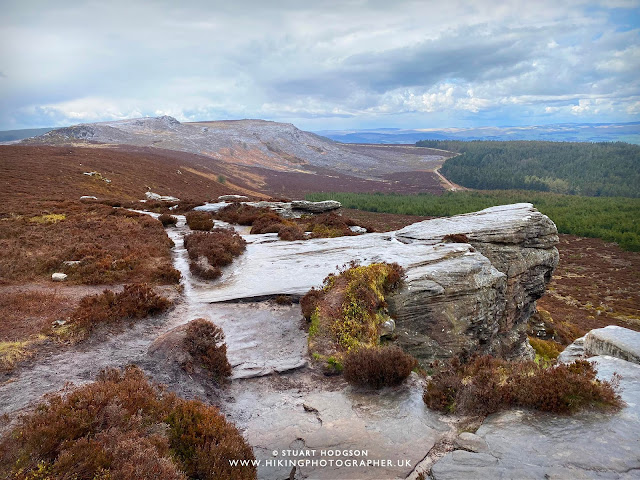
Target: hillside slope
(259, 143)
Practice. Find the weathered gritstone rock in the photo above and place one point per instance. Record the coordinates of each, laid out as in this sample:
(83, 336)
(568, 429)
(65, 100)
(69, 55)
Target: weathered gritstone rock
(161, 198)
(293, 209)
(233, 198)
(315, 207)
(588, 445)
(520, 242)
(615, 341)
(573, 352)
(391, 427)
(457, 297)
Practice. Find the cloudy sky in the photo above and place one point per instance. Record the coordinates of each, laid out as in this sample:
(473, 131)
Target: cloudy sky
(339, 64)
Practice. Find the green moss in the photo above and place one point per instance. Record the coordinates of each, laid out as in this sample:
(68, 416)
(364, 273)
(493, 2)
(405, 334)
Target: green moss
(334, 364)
(547, 351)
(360, 293)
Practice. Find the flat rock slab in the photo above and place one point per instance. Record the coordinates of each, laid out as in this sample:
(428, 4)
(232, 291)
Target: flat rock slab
(615, 341)
(519, 224)
(262, 338)
(271, 267)
(392, 427)
(589, 445)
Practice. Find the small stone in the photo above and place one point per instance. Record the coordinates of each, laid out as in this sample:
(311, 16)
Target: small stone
(388, 328)
(472, 442)
(71, 263)
(233, 198)
(357, 229)
(59, 277)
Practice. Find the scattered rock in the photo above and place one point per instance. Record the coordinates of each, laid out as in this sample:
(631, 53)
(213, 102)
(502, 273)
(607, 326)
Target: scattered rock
(58, 323)
(98, 176)
(59, 277)
(357, 229)
(233, 198)
(88, 197)
(71, 263)
(615, 341)
(315, 207)
(284, 209)
(161, 198)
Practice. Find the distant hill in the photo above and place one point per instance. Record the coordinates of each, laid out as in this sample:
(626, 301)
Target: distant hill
(275, 158)
(566, 132)
(12, 135)
(260, 143)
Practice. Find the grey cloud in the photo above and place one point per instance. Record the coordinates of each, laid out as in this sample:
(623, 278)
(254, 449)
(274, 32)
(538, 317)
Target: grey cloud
(291, 59)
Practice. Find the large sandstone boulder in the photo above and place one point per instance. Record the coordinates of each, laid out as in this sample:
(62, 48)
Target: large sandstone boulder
(315, 207)
(458, 298)
(519, 241)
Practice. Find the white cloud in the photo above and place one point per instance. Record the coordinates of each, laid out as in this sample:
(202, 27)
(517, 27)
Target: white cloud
(66, 62)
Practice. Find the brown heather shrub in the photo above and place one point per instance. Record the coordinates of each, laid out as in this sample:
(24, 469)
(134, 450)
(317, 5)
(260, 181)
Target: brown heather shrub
(205, 343)
(241, 214)
(269, 222)
(309, 302)
(167, 220)
(135, 301)
(283, 300)
(199, 221)
(378, 367)
(112, 245)
(486, 385)
(123, 427)
(218, 247)
(455, 238)
(166, 274)
(264, 220)
(291, 232)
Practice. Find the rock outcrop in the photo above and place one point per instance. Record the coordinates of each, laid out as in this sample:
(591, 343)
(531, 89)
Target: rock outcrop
(458, 298)
(520, 242)
(315, 207)
(294, 209)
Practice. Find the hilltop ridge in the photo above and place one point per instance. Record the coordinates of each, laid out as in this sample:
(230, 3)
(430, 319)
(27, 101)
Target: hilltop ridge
(260, 143)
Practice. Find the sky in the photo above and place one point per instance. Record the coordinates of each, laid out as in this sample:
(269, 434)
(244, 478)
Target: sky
(321, 65)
